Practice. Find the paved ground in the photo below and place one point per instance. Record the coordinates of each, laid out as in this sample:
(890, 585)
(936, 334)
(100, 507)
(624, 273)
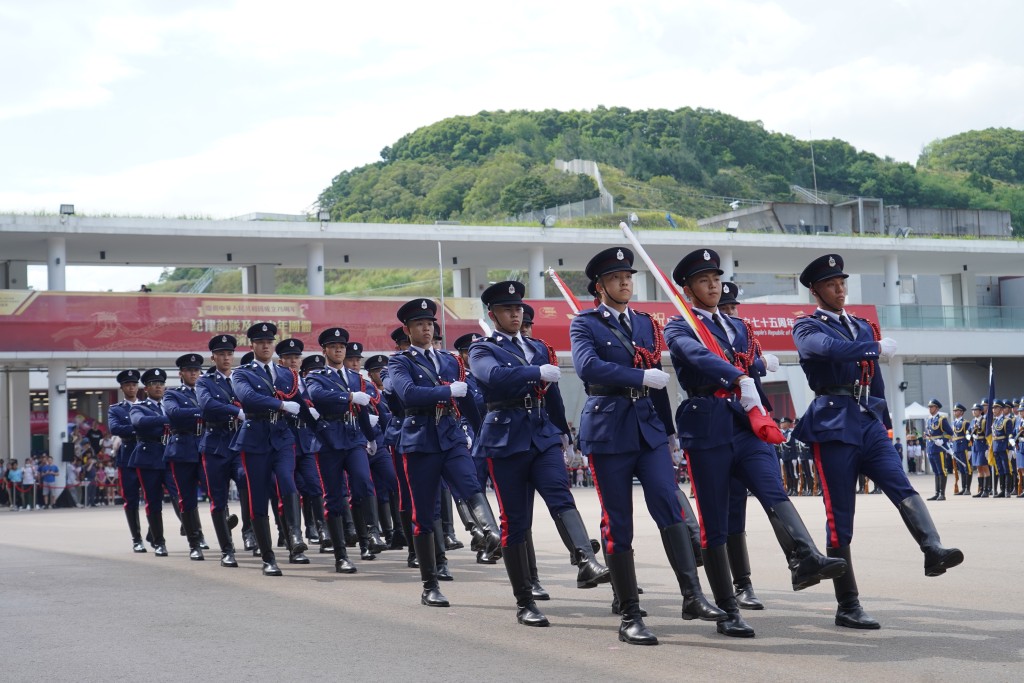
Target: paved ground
(77, 604)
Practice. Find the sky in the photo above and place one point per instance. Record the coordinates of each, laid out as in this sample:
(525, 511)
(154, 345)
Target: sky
(216, 109)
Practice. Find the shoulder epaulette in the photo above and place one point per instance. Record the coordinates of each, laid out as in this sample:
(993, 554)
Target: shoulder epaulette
(589, 311)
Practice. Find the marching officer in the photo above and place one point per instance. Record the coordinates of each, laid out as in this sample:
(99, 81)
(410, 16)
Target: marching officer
(960, 455)
(846, 426)
(527, 328)
(1018, 430)
(938, 432)
(348, 438)
(375, 366)
(181, 405)
(307, 476)
(1002, 425)
(617, 353)
(151, 427)
(716, 431)
(222, 414)
(521, 438)
(119, 423)
(431, 386)
(265, 443)
(979, 447)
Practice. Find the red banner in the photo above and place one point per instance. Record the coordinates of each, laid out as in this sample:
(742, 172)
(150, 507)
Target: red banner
(180, 323)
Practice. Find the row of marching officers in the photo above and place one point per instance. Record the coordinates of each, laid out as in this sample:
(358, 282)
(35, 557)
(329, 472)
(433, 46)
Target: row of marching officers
(380, 454)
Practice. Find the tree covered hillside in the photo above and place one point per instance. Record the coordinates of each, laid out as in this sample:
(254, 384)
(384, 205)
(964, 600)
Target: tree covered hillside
(492, 165)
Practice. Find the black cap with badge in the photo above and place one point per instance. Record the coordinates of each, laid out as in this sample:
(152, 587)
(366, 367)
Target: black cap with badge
(503, 293)
(154, 376)
(417, 309)
(333, 335)
(189, 361)
(289, 347)
(128, 377)
(223, 342)
(823, 268)
(696, 262)
(262, 331)
(612, 260)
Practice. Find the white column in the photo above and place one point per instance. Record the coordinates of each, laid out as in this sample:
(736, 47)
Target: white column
(892, 290)
(315, 268)
(893, 376)
(536, 281)
(727, 265)
(969, 297)
(263, 280)
(14, 275)
(460, 282)
(19, 408)
(57, 375)
(56, 261)
(478, 281)
(641, 291)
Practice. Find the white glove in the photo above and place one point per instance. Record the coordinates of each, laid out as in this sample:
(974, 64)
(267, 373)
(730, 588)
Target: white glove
(371, 448)
(374, 419)
(749, 397)
(469, 442)
(655, 378)
(771, 362)
(290, 407)
(360, 398)
(241, 415)
(315, 413)
(550, 373)
(887, 347)
(459, 389)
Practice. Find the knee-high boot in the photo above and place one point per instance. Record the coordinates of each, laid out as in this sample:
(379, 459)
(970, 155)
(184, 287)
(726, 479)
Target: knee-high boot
(248, 537)
(307, 517)
(136, 530)
(399, 540)
(336, 530)
(293, 529)
(411, 560)
(716, 566)
(431, 595)
(676, 540)
(261, 527)
(448, 522)
(223, 532)
(943, 478)
(632, 629)
(937, 478)
(518, 569)
(807, 565)
(440, 556)
(156, 529)
(616, 607)
(190, 518)
(536, 589)
(849, 613)
(692, 526)
(387, 527)
(589, 572)
(320, 524)
(480, 509)
(476, 543)
(937, 558)
(739, 563)
(351, 534)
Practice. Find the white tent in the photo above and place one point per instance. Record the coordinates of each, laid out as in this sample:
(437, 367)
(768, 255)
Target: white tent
(916, 411)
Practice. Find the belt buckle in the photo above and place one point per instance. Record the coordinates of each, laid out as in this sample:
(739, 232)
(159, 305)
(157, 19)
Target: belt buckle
(273, 418)
(635, 394)
(858, 389)
(528, 402)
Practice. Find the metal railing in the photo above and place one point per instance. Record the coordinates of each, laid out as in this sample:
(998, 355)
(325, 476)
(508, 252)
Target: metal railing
(951, 317)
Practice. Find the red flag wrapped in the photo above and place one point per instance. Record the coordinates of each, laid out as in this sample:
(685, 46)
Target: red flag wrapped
(764, 426)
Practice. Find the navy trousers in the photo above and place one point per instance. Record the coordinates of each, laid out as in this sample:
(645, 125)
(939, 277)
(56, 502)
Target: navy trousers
(424, 472)
(382, 471)
(219, 470)
(186, 480)
(516, 477)
(260, 471)
(307, 475)
(131, 487)
(613, 478)
(334, 465)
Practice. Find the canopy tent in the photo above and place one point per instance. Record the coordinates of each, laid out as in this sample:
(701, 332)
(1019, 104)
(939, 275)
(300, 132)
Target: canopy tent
(916, 411)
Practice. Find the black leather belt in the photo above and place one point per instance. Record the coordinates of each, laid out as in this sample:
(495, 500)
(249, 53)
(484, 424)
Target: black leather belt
(524, 403)
(151, 440)
(428, 412)
(838, 390)
(704, 391)
(268, 415)
(184, 432)
(214, 426)
(338, 417)
(628, 392)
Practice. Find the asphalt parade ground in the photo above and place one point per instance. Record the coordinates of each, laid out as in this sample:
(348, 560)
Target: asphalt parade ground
(77, 604)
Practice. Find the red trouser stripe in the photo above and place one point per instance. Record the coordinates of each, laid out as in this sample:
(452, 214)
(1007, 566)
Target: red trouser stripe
(606, 528)
(501, 506)
(833, 532)
(412, 508)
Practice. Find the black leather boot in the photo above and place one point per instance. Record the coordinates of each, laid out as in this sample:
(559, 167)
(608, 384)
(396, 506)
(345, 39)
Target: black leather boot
(440, 556)
(937, 478)
(248, 536)
(368, 506)
(981, 487)
(223, 532)
(431, 596)
(351, 535)
(320, 525)
(632, 629)
(849, 613)
(716, 566)
(942, 486)
(476, 543)
(616, 607)
(589, 572)
(807, 565)
(307, 518)
(676, 540)
(739, 563)
(448, 522)
(480, 509)
(336, 530)
(366, 553)
(411, 562)
(517, 565)
(293, 530)
(937, 558)
(261, 527)
(967, 484)
(156, 529)
(399, 540)
(387, 528)
(136, 530)
(537, 590)
(692, 526)
(190, 518)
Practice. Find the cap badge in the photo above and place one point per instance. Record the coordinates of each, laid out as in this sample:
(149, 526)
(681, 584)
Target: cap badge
(223, 339)
(337, 333)
(831, 262)
(725, 288)
(707, 256)
(264, 328)
(511, 289)
(423, 304)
